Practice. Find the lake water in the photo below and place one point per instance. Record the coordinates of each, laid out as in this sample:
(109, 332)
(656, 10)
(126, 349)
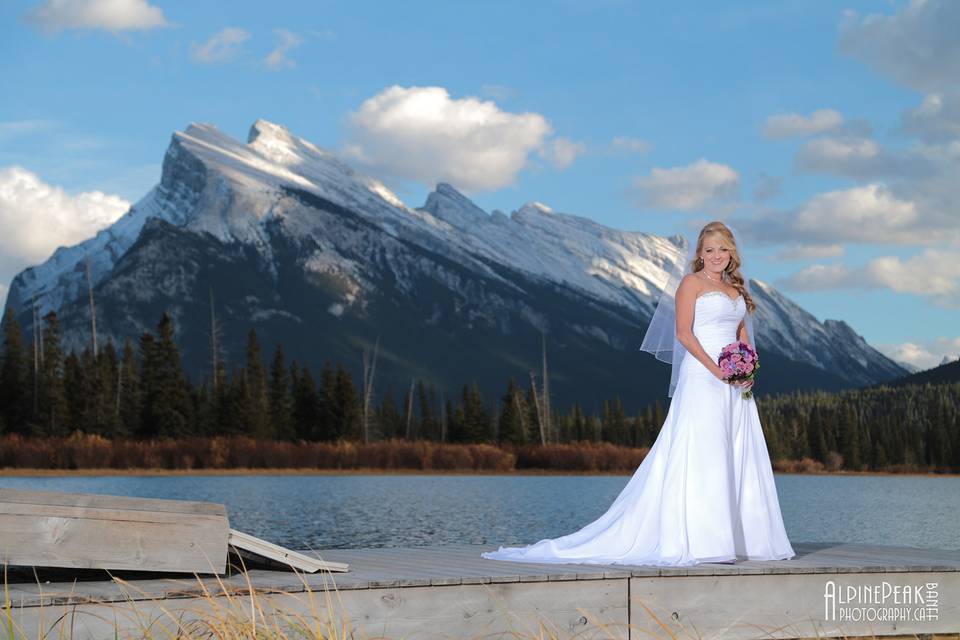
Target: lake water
(415, 510)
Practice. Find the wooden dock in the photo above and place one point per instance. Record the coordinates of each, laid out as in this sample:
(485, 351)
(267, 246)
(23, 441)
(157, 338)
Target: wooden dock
(451, 592)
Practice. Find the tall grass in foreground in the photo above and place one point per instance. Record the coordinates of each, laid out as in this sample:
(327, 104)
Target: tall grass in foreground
(227, 612)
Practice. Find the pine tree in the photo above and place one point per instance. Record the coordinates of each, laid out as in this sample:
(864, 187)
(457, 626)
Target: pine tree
(230, 404)
(618, 422)
(534, 434)
(476, 420)
(149, 371)
(329, 413)
(658, 417)
(306, 404)
(578, 424)
(511, 426)
(429, 426)
(817, 440)
(255, 399)
(107, 369)
(127, 404)
(14, 391)
(177, 417)
(347, 403)
(850, 438)
(388, 416)
(167, 404)
(281, 399)
(293, 375)
(77, 393)
(221, 398)
(52, 397)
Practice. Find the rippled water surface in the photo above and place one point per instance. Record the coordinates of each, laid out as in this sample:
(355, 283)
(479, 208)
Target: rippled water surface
(413, 510)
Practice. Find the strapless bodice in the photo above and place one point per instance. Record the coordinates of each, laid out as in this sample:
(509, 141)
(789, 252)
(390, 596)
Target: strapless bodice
(715, 320)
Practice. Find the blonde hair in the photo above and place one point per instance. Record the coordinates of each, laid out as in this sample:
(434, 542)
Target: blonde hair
(732, 270)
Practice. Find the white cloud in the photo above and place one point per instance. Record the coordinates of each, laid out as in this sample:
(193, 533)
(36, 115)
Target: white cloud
(918, 46)
(809, 251)
(933, 274)
(924, 355)
(867, 214)
(851, 156)
(870, 213)
(936, 119)
(790, 125)
(17, 128)
(323, 34)
(630, 145)
(561, 152)
(111, 15)
(36, 218)
(422, 134)
(287, 40)
(688, 188)
(222, 46)
(767, 187)
(819, 277)
(498, 91)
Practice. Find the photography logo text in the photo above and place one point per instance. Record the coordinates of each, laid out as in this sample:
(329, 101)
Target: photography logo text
(881, 602)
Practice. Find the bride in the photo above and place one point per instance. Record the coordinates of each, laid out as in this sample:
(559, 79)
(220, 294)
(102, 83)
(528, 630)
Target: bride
(705, 491)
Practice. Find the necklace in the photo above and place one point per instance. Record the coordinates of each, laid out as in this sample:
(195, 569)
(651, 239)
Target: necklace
(708, 277)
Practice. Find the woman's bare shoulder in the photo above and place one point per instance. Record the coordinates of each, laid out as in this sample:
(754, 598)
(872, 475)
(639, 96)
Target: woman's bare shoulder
(690, 282)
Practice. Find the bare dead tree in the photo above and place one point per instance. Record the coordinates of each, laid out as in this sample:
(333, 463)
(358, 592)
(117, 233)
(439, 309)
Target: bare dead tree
(116, 409)
(536, 406)
(520, 412)
(39, 331)
(547, 424)
(36, 354)
(369, 367)
(409, 408)
(214, 344)
(443, 418)
(93, 309)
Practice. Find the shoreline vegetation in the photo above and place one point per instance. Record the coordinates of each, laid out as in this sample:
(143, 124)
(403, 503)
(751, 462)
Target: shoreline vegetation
(93, 455)
(120, 473)
(136, 410)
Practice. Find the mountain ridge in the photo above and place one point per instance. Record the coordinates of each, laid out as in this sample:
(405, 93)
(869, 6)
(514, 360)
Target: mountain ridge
(299, 212)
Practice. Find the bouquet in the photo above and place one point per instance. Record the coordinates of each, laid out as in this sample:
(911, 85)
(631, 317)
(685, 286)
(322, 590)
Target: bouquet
(739, 361)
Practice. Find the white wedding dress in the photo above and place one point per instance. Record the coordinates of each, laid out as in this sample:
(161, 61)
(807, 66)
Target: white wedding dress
(704, 492)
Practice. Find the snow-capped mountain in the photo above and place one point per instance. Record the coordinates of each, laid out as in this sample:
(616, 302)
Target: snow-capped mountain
(291, 240)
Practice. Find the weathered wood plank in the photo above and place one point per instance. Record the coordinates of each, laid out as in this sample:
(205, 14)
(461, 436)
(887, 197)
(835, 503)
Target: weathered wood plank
(90, 543)
(103, 501)
(556, 609)
(86, 531)
(276, 553)
(779, 606)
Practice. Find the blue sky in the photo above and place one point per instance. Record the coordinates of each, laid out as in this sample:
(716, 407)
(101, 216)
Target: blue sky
(828, 132)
